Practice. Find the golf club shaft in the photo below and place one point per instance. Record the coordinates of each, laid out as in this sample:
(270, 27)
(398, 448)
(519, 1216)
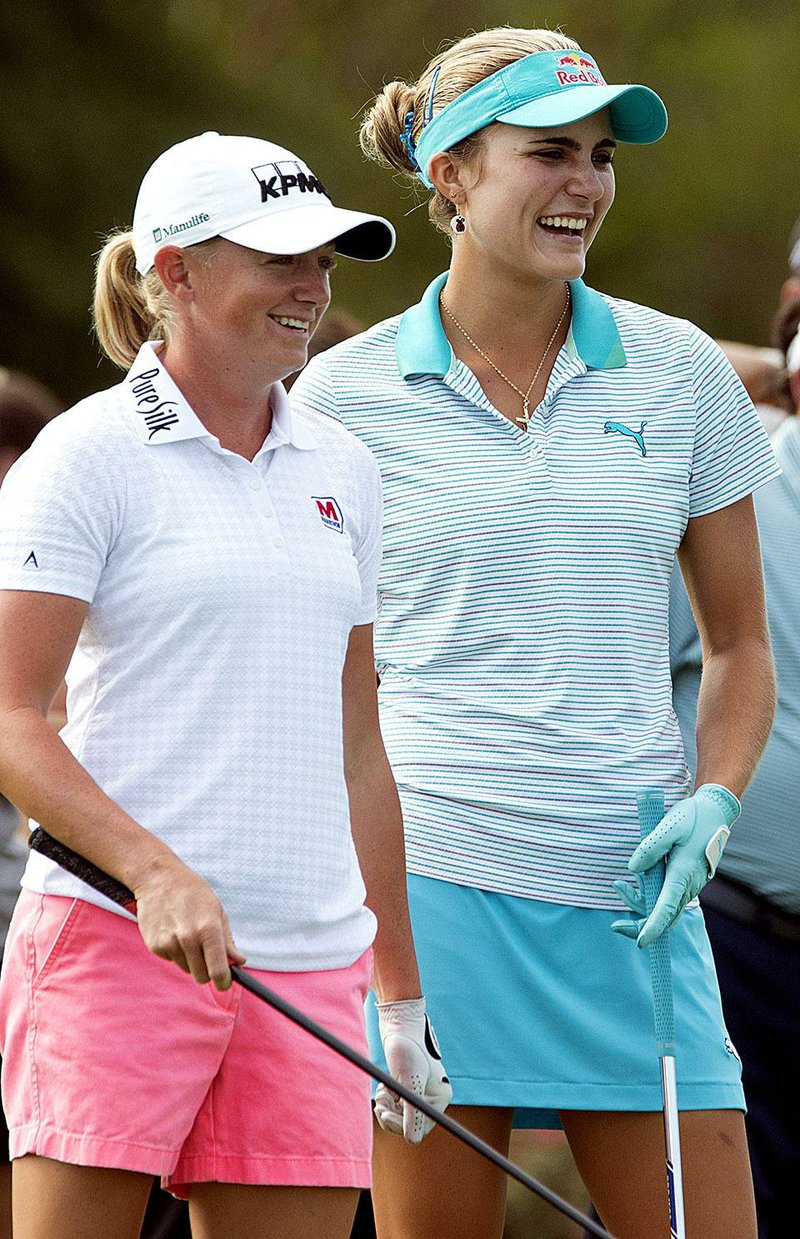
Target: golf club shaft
(672, 1138)
(84, 869)
(650, 805)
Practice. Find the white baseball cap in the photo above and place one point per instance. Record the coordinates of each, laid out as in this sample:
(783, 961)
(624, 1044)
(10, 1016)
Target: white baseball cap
(249, 191)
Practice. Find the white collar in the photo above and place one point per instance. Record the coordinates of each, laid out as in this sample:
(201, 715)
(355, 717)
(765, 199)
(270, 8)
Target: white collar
(288, 426)
(162, 414)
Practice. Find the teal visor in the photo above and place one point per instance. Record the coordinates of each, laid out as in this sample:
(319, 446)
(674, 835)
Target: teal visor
(539, 91)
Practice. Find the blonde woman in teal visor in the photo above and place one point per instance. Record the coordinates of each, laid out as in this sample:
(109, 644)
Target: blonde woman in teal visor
(545, 452)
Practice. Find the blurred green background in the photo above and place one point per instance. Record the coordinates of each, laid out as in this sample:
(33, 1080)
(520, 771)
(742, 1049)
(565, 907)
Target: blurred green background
(93, 91)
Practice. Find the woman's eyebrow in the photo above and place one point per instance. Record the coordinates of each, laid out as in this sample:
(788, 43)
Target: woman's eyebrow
(571, 143)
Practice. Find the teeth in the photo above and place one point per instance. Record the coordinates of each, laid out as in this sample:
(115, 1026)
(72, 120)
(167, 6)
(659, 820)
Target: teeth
(298, 323)
(562, 221)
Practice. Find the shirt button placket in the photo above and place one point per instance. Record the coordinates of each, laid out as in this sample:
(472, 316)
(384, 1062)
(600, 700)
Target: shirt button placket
(265, 510)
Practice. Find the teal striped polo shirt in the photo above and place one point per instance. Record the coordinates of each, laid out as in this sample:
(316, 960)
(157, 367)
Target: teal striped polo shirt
(522, 636)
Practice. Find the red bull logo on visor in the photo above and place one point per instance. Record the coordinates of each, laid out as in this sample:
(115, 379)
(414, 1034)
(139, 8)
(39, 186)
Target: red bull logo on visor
(574, 69)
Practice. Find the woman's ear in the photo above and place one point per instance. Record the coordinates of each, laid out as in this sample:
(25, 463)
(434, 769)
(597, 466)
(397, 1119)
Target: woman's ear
(173, 270)
(447, 175)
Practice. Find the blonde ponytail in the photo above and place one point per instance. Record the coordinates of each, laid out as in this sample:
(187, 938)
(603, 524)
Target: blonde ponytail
(128, 308)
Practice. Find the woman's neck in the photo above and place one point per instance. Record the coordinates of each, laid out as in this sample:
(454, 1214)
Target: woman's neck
(510, 318)
(507, 314)
(229, 396)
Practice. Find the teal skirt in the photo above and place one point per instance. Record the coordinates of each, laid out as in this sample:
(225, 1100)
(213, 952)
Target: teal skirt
(540, 1007)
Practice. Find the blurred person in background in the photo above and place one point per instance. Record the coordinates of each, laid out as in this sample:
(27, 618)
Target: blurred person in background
(26, 406)
(212, 555)
(752, 908)
(791, 286)
(545, 450)
(762, 370)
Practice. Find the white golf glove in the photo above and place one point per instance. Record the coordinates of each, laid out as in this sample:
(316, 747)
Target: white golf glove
(413, 1058)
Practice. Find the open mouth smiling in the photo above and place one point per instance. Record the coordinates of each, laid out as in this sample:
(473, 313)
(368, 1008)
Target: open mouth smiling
(299, 325)
(563, 225)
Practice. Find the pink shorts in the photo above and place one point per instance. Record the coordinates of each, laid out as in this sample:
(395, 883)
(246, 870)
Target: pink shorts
(113, 1057)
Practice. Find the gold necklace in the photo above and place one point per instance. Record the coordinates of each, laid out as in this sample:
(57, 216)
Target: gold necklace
(526, 416)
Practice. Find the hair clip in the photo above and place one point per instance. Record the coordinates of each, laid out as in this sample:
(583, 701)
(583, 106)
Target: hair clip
(429, 110)
(407, 140)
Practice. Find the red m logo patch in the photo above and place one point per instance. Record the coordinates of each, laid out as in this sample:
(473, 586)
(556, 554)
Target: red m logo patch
(330, 512)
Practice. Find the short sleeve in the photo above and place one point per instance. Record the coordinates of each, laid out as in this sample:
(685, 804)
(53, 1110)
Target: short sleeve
(315, 392)
(368, 546)
(59, 515)
(732, 455)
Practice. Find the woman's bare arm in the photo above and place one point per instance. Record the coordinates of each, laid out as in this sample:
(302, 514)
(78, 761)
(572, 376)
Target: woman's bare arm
(377, 823)
(720, 560)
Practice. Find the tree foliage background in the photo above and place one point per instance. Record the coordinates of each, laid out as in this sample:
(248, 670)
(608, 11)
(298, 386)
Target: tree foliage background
(94, 90)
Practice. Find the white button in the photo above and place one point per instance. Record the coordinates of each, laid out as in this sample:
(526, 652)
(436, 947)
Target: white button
(277, 542)
(255, 484)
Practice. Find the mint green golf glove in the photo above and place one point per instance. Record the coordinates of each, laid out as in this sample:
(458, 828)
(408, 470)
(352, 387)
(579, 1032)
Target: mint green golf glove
(691, 839)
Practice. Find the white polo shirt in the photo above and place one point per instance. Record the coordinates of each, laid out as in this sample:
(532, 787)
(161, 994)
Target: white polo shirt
(522, 637)
(205, 694)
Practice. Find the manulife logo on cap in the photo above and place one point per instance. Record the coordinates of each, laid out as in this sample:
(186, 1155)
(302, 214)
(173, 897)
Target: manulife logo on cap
(171, 230)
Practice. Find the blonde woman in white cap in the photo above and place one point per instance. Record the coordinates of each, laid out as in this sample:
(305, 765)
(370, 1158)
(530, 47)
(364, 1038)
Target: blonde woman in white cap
(210, 556)
(545, 450)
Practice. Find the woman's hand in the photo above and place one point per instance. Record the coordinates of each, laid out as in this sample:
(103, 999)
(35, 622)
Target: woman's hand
(413, 1058)
(690, 838)
(181, 919)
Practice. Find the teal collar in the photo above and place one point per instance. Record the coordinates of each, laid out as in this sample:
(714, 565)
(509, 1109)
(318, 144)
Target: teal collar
(423, 348)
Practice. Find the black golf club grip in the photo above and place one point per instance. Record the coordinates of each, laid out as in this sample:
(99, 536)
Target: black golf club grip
(40, 841)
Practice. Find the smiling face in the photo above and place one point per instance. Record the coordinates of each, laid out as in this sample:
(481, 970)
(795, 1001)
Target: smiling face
(259, 309)
(534, 199)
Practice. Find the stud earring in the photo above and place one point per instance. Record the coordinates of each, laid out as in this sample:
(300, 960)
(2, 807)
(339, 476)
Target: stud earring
(458, 225)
